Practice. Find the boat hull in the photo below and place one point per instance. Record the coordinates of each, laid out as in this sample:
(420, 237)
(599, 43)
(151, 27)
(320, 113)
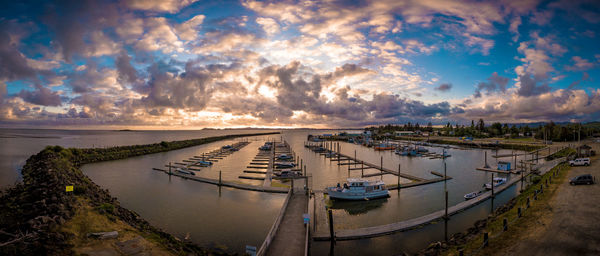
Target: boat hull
(351, 196)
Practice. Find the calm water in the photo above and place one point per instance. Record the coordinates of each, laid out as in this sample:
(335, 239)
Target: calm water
(235, 218)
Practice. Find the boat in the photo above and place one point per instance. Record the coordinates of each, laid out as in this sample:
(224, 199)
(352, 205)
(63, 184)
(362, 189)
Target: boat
(497, 182)
(284, 157)
(358, 189)
(265, 147)
(227, 147)
(384, 146)
(320, 149)
(287, 173)
(180, 170)
(204, 163)
(473, 195)
(284, 165)
(422, 149)
(330, 154)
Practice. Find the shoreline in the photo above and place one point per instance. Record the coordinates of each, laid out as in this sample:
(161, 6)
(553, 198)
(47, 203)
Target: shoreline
(33, 212)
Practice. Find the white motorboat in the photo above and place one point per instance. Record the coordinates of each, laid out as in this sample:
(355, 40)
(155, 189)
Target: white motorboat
(497, 182)
(358, 189)
(473, 195)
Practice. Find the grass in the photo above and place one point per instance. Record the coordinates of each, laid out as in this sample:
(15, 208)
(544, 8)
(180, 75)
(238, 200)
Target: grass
(279, 184)
(522, 225)
(88, 219)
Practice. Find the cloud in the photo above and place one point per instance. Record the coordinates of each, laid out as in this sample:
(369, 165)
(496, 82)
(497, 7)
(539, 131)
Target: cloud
(188, 29)
(41, 96)
(170, 6)
(559, 105)
(479, 44)
(579, 64)
(13, 64)
(269, 25)
(124, 68)
(494, 83)
(443, 87)
(528, 86)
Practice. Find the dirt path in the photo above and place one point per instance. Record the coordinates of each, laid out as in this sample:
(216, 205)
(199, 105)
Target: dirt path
(573, 226)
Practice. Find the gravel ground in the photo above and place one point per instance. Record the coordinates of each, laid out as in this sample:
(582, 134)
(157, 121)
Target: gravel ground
(573, 225)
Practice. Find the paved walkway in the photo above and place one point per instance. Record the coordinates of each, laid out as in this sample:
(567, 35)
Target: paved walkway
(290, 237)
(573, 227)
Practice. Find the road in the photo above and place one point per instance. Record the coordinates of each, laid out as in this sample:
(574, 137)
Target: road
(573, 225)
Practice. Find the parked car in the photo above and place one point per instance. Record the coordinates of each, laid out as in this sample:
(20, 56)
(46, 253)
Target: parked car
(580, 161)
(582, 179)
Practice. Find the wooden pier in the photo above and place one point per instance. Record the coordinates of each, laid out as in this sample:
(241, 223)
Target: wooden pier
(374, 231)
(361, 165)
(226, 183)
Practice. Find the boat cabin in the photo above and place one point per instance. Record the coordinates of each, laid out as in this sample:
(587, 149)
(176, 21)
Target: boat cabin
(504, 166)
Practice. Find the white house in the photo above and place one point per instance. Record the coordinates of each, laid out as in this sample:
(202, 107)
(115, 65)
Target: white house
(404, 133)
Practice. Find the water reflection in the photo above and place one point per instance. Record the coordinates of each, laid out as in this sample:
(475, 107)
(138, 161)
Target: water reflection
(356, 207)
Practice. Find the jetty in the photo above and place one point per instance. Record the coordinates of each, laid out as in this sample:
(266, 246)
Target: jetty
(380, 230)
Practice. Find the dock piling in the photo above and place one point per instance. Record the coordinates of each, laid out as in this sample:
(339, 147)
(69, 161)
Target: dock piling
(331, 231)
(220, 178)
(492, 185)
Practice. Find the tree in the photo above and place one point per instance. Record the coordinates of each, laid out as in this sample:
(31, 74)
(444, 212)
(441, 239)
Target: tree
(429, 127)
(472, 124)
(481, 125)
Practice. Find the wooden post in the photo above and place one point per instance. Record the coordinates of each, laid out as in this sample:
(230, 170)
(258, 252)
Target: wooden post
(362, 169)
(293, 185)
(355, 158)
(338, 150)
(485, 239)
(305, 174)
(522, 180)
(504, 224)
(519, 212)
(445, 177)
(169, 168)
(301, 162)
(527, 204)
(485, 160)
(399, 177)
(331, 231)
(219, 178)
(492, 185)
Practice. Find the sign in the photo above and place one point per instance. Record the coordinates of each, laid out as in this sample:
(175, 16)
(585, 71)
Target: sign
(306, 218)
(251, 250)
(69, 188)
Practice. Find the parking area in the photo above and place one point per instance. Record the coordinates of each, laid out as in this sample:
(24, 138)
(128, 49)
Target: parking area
(573, 225)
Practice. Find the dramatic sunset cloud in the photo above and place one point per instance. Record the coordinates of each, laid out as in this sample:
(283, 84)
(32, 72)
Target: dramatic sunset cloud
(191, 64)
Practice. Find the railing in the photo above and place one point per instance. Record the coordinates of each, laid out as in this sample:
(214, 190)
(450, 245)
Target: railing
(273, 231)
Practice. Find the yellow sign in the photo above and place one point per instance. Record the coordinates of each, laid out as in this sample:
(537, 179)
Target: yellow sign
(69, 188)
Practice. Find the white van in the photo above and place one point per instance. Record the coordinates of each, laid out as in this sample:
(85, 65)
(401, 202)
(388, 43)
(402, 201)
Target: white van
(580, 161)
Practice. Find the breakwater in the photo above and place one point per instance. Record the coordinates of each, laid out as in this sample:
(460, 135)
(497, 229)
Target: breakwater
(31, 212)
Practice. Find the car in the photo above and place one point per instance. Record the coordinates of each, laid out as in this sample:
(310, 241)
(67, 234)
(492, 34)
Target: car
(580, 161)
(582, 179)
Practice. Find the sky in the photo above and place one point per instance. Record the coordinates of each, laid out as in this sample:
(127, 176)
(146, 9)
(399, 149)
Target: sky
(191, 64)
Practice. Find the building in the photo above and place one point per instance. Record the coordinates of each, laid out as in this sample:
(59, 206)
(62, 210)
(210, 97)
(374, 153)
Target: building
(584, 151)
(404, 133)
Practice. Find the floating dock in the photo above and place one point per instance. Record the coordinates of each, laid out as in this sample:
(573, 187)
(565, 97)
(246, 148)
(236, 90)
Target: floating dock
(374, 231)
